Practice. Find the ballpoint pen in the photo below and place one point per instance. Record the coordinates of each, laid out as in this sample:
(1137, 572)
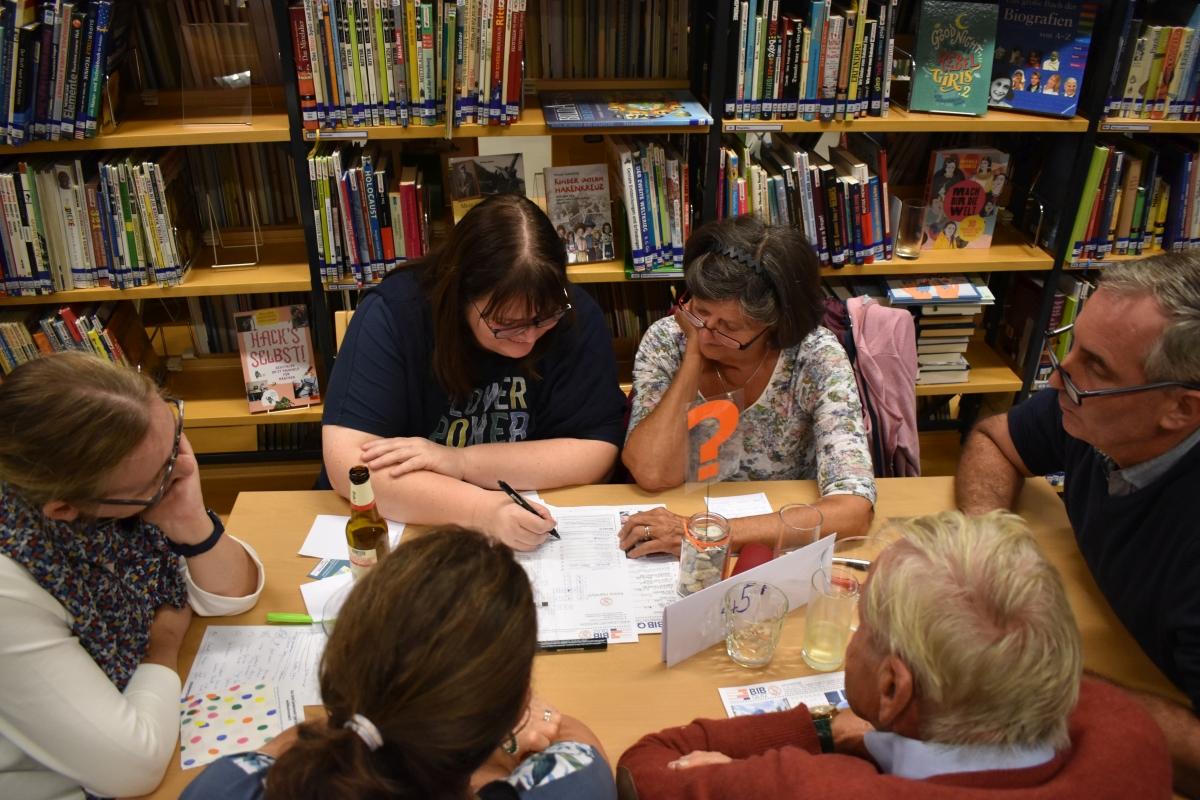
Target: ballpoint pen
(516, 498)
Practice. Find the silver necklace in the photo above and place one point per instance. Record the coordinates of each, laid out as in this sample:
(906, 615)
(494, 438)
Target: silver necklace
(725, 385)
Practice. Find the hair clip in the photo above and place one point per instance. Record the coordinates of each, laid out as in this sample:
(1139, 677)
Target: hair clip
(735, 253)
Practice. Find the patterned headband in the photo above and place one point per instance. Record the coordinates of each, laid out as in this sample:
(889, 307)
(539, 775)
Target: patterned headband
(737, 254)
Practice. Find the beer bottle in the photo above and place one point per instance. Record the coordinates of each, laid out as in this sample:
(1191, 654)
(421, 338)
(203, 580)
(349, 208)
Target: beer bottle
(366, 531)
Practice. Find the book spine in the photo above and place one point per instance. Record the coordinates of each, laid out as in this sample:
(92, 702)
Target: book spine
(74, 58)
(830, 59)
(516, 60)
(304, 70)
(496, 61)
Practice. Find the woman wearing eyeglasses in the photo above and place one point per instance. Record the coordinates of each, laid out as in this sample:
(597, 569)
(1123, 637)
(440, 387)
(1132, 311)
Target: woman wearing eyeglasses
(748, 329)
(481, 363)
(106, 549)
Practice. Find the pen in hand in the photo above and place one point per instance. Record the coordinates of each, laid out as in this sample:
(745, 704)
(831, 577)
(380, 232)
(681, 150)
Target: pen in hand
(516, 498)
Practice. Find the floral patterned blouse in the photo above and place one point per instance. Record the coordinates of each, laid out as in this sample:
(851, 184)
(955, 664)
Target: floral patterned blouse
(807, 424)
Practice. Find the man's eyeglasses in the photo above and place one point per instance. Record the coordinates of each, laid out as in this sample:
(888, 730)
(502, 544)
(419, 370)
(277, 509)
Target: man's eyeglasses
(1077, 395)
(723, 338)
(513, 331)
(177, 409)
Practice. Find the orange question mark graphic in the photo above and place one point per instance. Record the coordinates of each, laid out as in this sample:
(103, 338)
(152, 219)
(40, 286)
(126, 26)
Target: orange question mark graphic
(726, 415)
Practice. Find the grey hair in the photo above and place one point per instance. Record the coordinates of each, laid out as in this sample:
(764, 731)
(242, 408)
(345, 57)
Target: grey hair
(716, 277)
(1172, 279)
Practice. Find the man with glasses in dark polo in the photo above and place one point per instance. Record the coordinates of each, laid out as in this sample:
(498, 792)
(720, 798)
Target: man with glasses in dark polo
(1122, 419)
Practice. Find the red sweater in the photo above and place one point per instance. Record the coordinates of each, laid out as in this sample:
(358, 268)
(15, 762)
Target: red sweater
(1117, 751)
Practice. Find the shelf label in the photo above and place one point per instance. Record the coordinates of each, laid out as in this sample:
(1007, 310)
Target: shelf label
(1125, 126)
(752, 126)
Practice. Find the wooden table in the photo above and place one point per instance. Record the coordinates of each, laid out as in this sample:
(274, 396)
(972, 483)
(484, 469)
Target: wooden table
(627, 691)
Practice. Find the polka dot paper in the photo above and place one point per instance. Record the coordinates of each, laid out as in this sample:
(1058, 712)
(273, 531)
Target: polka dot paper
(236, 719)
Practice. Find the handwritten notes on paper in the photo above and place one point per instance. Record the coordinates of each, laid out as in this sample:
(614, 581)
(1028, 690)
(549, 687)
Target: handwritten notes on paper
(287, 656)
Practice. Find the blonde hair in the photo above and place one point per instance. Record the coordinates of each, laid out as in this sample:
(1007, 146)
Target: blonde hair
(980, 617)
(1173, 279)
(65, 422)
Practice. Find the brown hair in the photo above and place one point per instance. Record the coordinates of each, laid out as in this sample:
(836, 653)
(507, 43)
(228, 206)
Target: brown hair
(65, 420)
(773, 274)
(435, 647)
(505, 247)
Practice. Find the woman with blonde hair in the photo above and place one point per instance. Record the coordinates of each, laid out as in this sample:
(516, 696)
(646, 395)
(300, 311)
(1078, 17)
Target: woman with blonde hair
(432, 703)
(106, 549)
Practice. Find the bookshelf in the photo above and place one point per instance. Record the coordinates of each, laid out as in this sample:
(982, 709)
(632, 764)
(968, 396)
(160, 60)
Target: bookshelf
(989, 374)
(899, 120)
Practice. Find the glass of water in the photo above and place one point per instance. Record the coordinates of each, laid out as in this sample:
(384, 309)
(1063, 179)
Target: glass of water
(754, 614)
(831, 607)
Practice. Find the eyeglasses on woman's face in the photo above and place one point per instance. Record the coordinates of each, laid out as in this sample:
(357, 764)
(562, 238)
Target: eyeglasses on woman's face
(684, 306)
(1077, 395)
(514, 331)
(177, 411)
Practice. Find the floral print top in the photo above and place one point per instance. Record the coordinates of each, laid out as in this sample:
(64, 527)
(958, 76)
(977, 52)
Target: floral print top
(807, 424)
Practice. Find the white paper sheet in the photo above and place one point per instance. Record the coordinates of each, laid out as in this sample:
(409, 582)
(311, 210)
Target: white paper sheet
(580, 583)
(762, 698)
(694, 623)
(324, 598)
(742, 505)
(222, 720)
(327, 536)
(287, 656)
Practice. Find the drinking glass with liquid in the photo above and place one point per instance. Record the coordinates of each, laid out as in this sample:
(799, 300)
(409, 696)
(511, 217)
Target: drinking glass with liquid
(831, 607)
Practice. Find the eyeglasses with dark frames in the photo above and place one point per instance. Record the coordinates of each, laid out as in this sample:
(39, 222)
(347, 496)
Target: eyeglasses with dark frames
(698, 321)
(513, 331)
(177, 406)
(1077, 395)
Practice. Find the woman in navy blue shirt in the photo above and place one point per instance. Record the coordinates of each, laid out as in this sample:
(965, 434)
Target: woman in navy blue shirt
(480, 363)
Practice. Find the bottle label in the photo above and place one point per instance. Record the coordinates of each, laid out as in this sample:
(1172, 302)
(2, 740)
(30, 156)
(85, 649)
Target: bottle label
(361, 495)
(362, 560)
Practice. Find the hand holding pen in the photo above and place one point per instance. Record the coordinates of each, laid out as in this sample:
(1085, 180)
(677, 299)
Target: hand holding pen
(542, 514)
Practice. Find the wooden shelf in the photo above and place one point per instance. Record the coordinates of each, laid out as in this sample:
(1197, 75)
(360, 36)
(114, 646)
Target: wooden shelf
(1100, 263)
(989, 373)
(284, 269)
(1129, 125)
(1010, 252)
(532, 123)
(216, 397)
(162, 126)
(900, 121)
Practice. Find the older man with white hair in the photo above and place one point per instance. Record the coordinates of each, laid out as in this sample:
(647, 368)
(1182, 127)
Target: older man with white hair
(1122, 419)
(964, 680)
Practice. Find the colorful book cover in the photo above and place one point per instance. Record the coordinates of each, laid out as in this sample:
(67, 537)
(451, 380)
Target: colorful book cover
(275, 345)
(1040, 56)
(473, 178)
(578, 203)
(623, 109)
(965, 190)
(955, 41)
(944, 289)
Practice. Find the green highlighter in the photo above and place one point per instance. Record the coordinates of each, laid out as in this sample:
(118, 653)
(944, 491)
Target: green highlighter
(288, 618)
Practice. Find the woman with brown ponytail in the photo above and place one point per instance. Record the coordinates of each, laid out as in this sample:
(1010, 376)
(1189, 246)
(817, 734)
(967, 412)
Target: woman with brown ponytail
(426, 680)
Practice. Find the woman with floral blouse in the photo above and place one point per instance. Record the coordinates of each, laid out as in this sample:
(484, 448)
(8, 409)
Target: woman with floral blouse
(748, 329)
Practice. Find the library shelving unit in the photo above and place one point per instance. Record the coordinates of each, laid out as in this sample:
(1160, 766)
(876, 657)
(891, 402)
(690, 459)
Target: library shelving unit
(217, 421)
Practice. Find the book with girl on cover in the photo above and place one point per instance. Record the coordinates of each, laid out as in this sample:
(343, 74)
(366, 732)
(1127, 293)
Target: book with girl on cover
(965, 190)
(1041, 53)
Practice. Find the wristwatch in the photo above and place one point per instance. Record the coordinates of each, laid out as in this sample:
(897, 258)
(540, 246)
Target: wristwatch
(822, 719)
(192, 550)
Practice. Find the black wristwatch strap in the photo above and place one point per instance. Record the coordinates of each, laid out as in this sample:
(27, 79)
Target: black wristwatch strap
(191, 550)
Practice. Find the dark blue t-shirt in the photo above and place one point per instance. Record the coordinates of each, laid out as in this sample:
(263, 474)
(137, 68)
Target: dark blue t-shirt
(1143, 548)
(383, 380)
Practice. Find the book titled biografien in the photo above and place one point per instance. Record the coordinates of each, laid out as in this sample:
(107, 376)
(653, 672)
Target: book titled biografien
(955, 41)
(277, 358)
(635, 108)
(1041, 53)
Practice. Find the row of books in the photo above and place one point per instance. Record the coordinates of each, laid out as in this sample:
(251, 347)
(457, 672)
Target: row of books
(1157, 75)
(632, 308)
(371, 212)
(840, 199)
(112, 330)
(196, 44)
(54, 59)
(408, 62)
(212, 320)
(245, 183)
(1138, 196)
(297, 436)
(652, 177)
(611, 39)
(126, 219)
(834, 61)
(1019, 327)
